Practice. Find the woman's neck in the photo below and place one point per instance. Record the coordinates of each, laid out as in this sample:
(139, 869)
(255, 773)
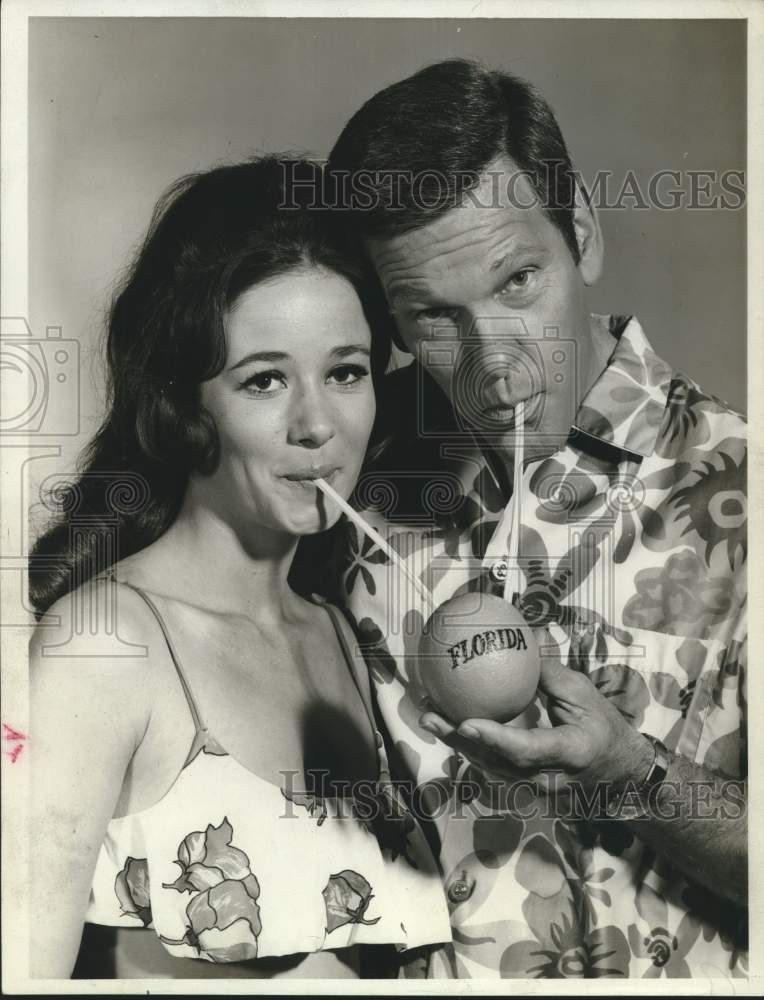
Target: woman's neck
(210, 562)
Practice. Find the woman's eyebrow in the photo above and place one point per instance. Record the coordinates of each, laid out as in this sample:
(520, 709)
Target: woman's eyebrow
(347, 349)
(343, 351)
(260, 356)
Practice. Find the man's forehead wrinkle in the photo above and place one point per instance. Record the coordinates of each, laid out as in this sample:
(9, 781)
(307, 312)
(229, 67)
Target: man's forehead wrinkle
(484, 245)
(468, 219)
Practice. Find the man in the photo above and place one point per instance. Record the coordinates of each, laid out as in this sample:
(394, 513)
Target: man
(629, 508)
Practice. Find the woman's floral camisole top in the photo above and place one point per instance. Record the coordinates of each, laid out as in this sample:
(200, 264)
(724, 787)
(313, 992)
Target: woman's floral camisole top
(229, 867)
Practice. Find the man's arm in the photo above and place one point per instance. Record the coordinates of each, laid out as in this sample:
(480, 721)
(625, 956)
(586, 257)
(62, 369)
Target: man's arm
(698, 820)
(697, 817)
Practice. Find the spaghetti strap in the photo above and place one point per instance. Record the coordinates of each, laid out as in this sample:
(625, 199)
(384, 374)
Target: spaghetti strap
(365, 694)
(193, 707)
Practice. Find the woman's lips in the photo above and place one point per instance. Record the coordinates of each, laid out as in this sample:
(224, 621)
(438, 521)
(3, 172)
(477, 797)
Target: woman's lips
(306, 478)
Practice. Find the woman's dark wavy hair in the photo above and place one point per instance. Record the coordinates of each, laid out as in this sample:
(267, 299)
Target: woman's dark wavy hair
(213, 235)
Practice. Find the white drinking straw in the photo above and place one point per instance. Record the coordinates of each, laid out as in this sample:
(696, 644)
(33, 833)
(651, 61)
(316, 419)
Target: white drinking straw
(375, 536)
(514, 537)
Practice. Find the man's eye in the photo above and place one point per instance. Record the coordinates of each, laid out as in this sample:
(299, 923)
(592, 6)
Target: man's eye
(264, 383)
(436, 313)
(520, 283)
(521, 279)
(348, 374)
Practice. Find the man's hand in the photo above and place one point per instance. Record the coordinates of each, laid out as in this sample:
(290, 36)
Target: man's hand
(589, 742)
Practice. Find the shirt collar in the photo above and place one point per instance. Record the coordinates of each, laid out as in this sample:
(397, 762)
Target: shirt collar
(625, 406)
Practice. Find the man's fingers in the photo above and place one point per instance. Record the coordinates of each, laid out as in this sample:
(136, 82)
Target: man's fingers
(556, 676)
(436, 724)
(445, 731)
(525, 748)
(483, 758)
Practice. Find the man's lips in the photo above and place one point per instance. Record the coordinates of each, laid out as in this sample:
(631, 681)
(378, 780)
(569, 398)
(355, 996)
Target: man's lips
(506, 413)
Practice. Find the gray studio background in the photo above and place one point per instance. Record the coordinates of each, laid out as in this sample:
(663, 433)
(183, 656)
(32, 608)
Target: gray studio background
(119, 107)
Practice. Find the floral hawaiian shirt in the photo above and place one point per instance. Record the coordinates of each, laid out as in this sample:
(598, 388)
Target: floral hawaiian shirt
(631, 554)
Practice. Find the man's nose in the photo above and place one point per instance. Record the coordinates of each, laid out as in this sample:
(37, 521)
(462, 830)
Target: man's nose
(492, 366)
(312, 420)
(490, 343)
(486, 325)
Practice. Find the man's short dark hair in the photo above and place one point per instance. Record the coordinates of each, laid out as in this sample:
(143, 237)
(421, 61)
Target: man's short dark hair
(421, 144)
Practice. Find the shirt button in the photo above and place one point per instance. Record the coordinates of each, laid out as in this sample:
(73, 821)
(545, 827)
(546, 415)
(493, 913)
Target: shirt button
(460, 890)
(499, 569)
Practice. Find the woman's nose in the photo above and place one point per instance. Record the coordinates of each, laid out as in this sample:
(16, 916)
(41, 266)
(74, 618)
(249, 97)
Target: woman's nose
(312, 423)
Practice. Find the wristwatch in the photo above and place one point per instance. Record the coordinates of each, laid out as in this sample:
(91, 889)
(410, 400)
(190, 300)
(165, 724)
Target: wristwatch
(632, 802)
(658, 768)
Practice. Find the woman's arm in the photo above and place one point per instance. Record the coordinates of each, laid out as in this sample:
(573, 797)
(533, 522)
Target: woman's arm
(88, 713)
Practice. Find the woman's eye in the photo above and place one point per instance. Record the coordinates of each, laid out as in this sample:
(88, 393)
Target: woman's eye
(264, 383)
(348, 374)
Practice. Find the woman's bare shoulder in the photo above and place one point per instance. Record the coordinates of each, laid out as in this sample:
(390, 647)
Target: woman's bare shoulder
(99, 644)
(102, 617)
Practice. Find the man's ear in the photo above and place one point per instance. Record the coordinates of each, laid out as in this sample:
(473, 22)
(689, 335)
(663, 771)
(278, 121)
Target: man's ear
(397, 339)
(591, 248)
(380, 296)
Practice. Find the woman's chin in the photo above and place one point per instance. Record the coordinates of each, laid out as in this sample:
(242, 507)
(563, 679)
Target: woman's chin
(314, 523)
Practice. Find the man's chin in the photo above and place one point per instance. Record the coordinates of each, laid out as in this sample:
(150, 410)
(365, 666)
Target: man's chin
(536, 443)
(499, 420)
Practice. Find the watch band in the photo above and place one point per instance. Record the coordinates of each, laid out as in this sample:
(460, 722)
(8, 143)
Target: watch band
(660, 765)
(625, 806)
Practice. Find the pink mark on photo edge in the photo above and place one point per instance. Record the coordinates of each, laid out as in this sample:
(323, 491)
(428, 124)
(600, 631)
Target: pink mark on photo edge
(9, 733)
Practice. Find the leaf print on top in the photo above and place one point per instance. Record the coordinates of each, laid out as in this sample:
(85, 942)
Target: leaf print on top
(372, 644)
(314, 804)
(625, 688)
(653, 937)
(629, 404)
(380, 812)
(390, 821)
(731, 921)
(223, 916)
(685, 421)
(678, 595)
(368, 554)
(133, 891)
(347, 896)
(564, 943)
(715, 506)
(206, 744)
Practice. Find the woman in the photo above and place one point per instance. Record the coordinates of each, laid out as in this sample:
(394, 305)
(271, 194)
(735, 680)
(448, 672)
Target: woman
(184, 696)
